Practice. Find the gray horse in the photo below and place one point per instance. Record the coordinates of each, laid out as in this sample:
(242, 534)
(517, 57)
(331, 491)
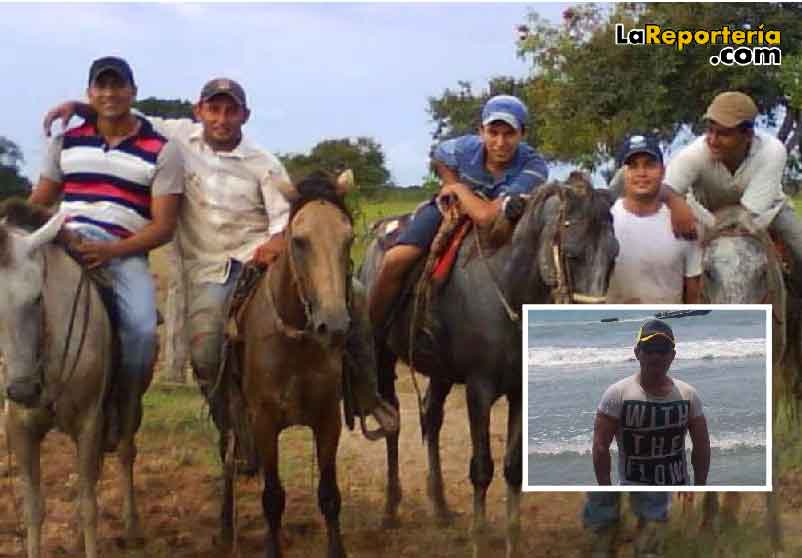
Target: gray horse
(741, 266)
(562, 248)
(57, 343)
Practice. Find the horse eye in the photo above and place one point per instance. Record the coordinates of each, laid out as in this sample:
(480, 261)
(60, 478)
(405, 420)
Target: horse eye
(300, 243)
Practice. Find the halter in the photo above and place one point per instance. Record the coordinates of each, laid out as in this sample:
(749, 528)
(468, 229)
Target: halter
(297, 279)
(774, 261)
(563, 292)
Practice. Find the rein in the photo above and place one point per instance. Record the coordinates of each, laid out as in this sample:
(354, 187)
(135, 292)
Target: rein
(288, 330)
(43, 339)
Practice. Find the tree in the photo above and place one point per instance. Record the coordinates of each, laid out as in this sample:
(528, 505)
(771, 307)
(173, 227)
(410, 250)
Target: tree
(458, 112)
(12, 183)
(165, 108)
(586, 92)
(591, 91)
(363, 155)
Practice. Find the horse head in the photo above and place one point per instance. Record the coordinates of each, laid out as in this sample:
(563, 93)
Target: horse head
(740, 264)
(567, 231)
(22, 280)
(320, 234)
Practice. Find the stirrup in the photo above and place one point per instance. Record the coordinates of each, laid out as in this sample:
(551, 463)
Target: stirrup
(387, 417)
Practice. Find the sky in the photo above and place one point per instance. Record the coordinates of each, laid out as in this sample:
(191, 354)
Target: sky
(311, 71)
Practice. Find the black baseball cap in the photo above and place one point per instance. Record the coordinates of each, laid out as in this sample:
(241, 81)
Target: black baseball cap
(639, 143)
(656, 334)
(224, 86)
(111, 64)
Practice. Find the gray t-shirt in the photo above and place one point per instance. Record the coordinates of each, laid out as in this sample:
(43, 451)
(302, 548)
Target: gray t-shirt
(651, 431)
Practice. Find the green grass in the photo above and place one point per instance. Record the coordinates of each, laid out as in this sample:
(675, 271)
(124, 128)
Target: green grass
(395, 201)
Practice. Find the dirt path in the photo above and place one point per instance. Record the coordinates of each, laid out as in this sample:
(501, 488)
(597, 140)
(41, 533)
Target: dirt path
(178, 495)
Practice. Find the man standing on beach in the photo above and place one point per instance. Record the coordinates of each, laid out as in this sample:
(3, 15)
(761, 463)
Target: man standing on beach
(648, 414)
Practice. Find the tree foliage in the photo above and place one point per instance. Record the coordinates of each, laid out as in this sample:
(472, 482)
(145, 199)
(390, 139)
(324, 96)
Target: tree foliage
(363, 155)
(586, 92)
(165, 108)
(12, 183)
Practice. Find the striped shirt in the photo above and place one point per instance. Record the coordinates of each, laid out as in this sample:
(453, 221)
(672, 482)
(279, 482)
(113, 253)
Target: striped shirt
(111, 188)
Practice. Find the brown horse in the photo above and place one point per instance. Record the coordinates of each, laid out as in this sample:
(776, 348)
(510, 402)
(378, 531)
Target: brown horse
(294, 330)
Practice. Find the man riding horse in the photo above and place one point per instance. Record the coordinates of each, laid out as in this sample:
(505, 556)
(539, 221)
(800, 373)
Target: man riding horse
(121, 183)
(235, 211)
(481, 172)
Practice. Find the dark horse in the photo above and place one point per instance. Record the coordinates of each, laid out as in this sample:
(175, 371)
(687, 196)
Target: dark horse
(294, 331)
(562, 246)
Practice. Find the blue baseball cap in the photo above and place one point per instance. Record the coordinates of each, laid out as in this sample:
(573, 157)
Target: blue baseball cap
(639, 143)
(505, 108)
(111, 64)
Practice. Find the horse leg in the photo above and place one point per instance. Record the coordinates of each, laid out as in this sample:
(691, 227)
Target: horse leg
(773, 525)
(433, 403)
(710, 509)
(513, 473)
(89, 461)
(130, 417)
(273, 496)
(227, 501)
(327, 438)
(386, 360)
(25, 444)
(480, 398)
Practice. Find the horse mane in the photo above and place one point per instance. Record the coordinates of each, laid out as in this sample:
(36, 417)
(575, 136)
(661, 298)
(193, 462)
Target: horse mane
(318, 185)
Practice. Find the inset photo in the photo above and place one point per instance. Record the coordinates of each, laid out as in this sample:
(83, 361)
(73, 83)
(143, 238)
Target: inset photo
(663, 397)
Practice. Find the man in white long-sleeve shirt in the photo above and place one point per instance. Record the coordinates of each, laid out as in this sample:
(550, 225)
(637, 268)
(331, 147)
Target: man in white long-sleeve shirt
(235, 210)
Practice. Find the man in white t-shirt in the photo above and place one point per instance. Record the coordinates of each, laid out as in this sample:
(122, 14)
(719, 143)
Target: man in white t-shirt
(653, 266)
(649, 414)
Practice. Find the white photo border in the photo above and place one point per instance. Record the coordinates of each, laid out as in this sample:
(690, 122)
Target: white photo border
(768, 487)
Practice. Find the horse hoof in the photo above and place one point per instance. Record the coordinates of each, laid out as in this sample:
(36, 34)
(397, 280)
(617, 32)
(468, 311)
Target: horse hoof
(130, 542)
(391, 522)
(224, 539)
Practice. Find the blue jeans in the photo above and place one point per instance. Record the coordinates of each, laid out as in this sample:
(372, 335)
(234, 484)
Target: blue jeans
(134, 300)
(602, 509)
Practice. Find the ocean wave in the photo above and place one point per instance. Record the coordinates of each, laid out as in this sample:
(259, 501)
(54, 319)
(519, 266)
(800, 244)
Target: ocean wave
(552, 357)
(581, 445)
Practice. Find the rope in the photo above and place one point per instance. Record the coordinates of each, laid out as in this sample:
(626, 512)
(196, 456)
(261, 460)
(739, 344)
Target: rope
(511, 314)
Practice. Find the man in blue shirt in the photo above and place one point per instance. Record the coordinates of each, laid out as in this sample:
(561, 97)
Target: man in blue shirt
(480, 172)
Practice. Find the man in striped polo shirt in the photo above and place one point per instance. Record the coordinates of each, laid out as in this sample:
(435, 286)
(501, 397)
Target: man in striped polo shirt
(235, 211)
(121, 183)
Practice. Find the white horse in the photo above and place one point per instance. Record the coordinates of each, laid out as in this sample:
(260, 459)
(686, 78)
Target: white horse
(56, 339)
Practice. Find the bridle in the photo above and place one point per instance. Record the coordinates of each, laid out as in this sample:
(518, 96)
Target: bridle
(563, 291)
(300, 290)
(773, 263)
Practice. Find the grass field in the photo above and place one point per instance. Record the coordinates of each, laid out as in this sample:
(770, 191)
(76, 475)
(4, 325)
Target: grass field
(177, 487)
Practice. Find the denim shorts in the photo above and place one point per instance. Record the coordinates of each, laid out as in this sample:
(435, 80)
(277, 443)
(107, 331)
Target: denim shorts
(602, 509)
(423, 228)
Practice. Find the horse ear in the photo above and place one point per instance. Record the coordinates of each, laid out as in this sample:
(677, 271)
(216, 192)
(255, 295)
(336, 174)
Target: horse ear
(345, 182)
(580, 183)
(45, 233)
